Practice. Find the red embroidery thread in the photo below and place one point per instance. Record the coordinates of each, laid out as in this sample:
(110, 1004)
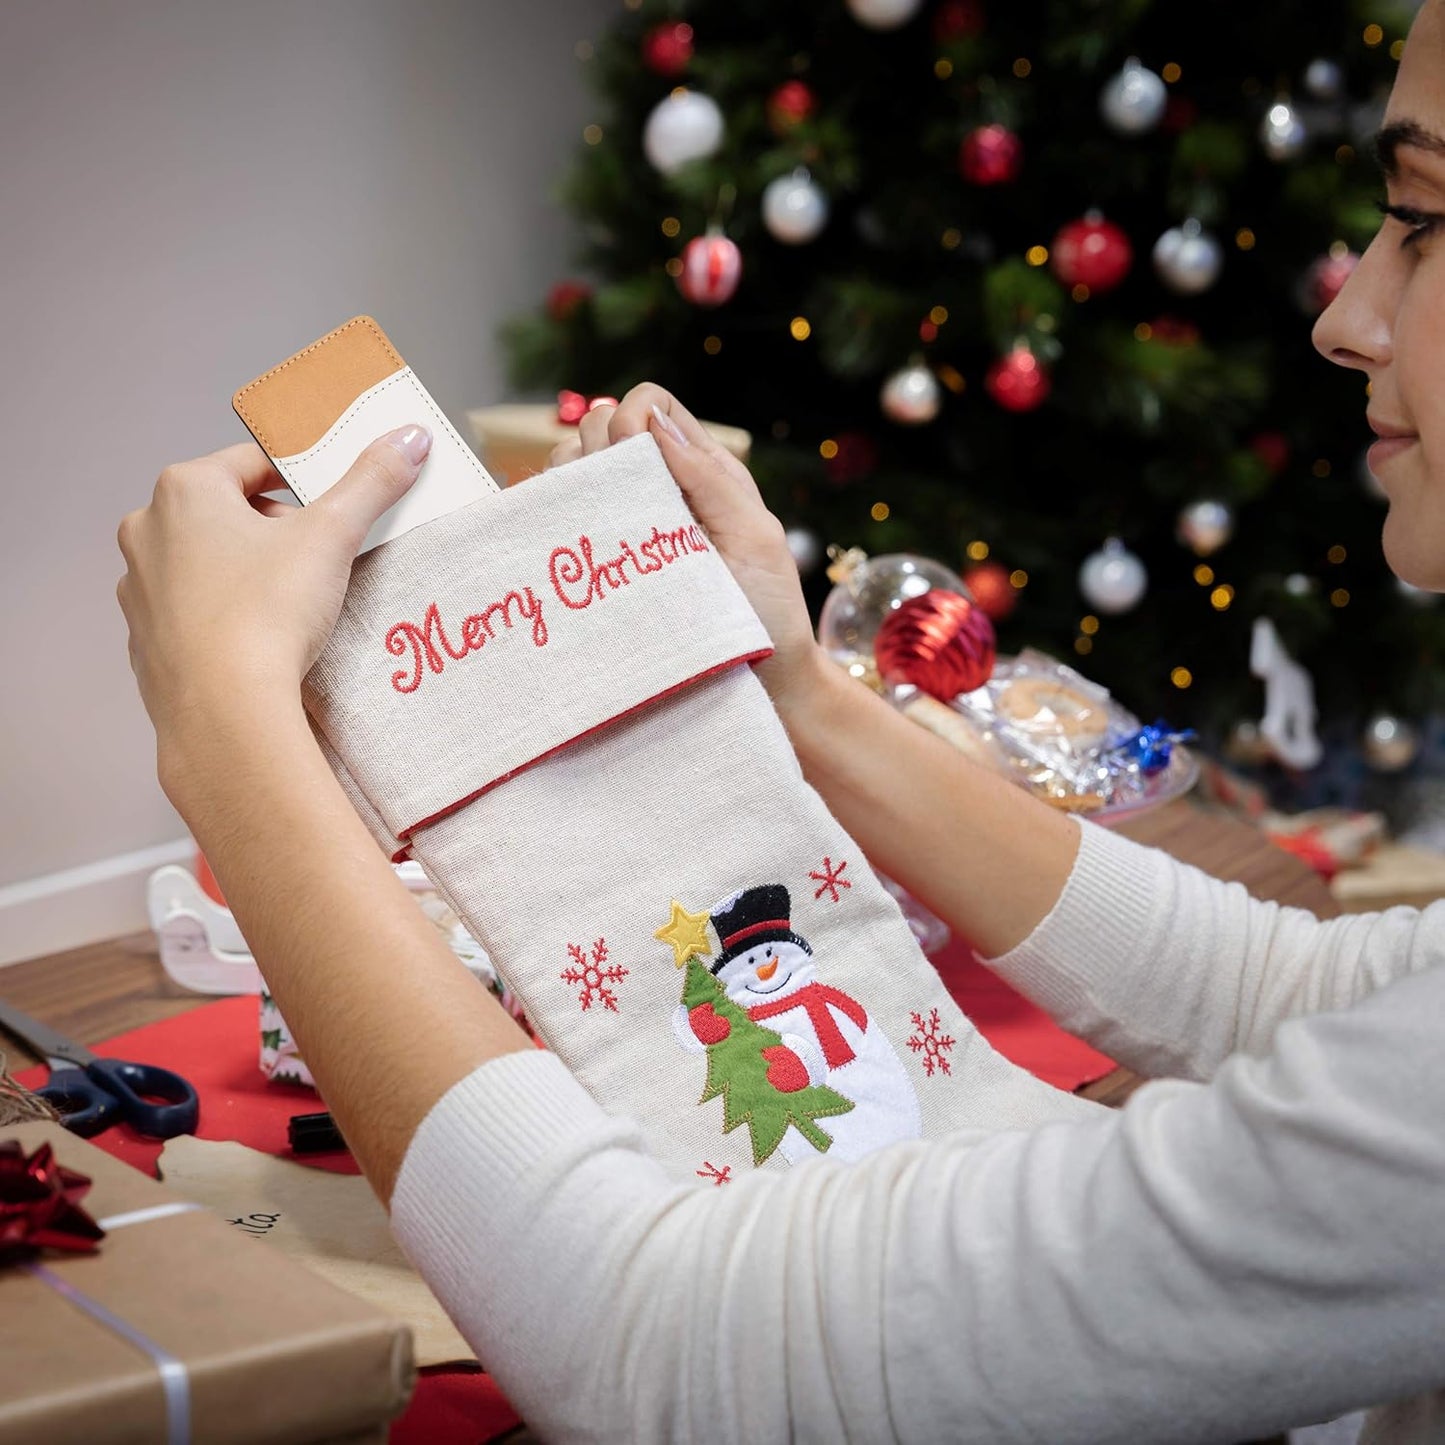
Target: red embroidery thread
(570, 568)
(931, 1042)
(831, 879)
(477, 631)
(710, 1170)
(592, 974)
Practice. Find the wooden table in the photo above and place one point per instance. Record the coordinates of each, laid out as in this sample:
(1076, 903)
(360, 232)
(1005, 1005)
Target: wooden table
(96, 992)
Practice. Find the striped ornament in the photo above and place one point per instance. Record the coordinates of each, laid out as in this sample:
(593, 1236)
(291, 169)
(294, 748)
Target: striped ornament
(712, 266)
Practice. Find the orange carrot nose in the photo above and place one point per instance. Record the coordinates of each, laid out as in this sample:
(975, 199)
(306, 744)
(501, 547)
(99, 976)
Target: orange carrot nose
(767, 971)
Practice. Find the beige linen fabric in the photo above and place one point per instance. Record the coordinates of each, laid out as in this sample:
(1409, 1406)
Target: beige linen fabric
(566, 861)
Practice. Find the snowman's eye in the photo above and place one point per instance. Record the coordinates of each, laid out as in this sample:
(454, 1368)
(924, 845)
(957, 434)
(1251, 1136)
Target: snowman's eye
(770, 953)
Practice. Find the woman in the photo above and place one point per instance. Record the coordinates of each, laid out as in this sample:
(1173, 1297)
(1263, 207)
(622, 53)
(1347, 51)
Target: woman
(1221, 1259)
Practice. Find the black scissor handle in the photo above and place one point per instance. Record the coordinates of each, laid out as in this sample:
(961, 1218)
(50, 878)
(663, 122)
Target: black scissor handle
(84, 1106)
(138, 1086)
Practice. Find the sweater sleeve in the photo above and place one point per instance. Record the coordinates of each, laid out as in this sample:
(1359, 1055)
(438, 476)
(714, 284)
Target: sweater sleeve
(1170, 971)
(1216, 1262)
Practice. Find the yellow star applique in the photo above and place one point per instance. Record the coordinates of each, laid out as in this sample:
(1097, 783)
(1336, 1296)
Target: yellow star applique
(686, 932)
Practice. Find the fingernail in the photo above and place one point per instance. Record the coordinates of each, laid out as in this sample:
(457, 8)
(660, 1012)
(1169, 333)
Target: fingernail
(669, 426)
(413, 442)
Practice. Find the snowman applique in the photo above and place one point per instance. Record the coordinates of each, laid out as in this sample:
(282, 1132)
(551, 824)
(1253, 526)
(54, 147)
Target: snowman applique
(828, 1039)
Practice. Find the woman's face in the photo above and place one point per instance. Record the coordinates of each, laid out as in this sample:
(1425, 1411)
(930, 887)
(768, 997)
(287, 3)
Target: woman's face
(1389, 320)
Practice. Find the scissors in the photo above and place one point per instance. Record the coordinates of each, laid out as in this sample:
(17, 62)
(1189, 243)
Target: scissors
(91, 1094)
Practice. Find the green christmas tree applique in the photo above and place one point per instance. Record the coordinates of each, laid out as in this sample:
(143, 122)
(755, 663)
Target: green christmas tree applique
(739, 1060)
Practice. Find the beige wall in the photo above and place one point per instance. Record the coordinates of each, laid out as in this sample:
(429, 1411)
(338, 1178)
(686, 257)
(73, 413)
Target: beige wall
(188, 191)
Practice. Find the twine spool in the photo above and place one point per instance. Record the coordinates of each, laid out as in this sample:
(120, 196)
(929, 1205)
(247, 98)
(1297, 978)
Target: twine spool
(18, 1105)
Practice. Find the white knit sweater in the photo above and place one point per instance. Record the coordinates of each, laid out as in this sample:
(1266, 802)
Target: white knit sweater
(1216, 1262)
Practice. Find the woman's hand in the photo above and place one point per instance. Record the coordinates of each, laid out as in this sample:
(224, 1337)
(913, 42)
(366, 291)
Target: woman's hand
(229, 591)
(725, 499)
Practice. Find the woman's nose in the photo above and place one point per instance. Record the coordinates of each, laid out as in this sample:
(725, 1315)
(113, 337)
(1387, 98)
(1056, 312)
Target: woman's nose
(1357, 328)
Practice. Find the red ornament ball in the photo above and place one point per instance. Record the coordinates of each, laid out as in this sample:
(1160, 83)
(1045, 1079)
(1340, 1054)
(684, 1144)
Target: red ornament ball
(1092, 252)
(1018, 381)
(1326, 278)
(667, 48)
(992, 590)
(712, 266)
(855, 459)
(789, 105)
(992, 155)
(565, 297)
(957, 20)
(940, 642)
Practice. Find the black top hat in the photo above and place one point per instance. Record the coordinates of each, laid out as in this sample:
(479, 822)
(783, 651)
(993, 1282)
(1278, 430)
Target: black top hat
(754, 916)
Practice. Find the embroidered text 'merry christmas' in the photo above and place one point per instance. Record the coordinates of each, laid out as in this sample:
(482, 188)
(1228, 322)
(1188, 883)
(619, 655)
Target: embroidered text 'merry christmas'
(578, 578)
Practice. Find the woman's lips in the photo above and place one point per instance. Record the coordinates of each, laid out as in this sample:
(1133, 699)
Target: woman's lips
(1386, 449)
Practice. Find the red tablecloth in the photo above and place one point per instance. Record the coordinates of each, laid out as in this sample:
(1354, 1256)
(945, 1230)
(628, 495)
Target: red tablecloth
(217, 1048)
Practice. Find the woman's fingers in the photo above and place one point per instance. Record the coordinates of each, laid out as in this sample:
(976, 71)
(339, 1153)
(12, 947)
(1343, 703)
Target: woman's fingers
(720, 500)
(566, 450)
(250, 467)
(378, 479)
(593, 429)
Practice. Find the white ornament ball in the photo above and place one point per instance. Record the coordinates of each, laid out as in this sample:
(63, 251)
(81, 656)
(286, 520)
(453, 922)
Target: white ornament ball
(1205, 526)
(684, 126)
(1282, 133)
(1325, 79)
(1134, 100)
(1113, 579)
(806, 548)
(1188, 259)
(884, 14)
(794, 209)
(911, 396)
(1416, 596)
(1298, 585)
(1390, 743)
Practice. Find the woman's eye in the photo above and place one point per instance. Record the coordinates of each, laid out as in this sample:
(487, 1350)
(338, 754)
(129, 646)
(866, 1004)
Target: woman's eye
(1419, 223)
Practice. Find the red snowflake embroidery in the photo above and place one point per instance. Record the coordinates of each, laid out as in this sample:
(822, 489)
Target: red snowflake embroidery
(931, 1042)
(831, 879)
(592, 975)
(711, 1171)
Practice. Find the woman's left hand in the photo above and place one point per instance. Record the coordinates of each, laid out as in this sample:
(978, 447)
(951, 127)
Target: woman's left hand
(228, 593)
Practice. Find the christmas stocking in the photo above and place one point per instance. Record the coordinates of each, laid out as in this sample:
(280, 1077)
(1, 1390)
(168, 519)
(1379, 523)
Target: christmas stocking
(545, 698)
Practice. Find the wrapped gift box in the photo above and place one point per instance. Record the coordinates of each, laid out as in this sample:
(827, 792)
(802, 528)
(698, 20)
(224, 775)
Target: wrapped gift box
(266, 1351)
(515, 441)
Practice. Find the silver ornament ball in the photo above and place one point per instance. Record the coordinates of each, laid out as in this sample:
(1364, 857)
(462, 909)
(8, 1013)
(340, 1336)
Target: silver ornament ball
(1205, 526)
(856, 607)
(1282, 133)
(684, 126)
(1325, 79)
(1134, 100)
(1188, 259)
(1113, 579)
(1391, 744)
(911, 396)
(883, 14)
(794, 209)
(806, 548)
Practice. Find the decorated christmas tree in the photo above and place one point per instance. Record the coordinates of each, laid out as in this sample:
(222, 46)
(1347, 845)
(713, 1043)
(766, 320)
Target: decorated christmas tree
(1027, 289)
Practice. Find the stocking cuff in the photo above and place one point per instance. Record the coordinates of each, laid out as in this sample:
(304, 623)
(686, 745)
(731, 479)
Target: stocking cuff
(478, 644)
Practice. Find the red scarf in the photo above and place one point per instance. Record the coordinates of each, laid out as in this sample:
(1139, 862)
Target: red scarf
(815, 998)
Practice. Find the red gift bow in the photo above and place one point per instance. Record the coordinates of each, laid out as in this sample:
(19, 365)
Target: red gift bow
(40, 1203)
(572, 406)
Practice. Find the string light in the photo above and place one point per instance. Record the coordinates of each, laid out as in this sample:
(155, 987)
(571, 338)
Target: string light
(1181, 677)
(943, 67)
(1089, 625)
(1080, 292)
(1023, 67)
(1037, 255)
(938, 315)
(879, 511)
(1018, 579)
(1221, 597)
(1083, 646)
(799, 328)
(1244, 238)
(1373, 35)
(1143, 331)
(592, 134)
(671, 226)
(1339, 598)
(1344, 155)
(951, 238)
(1397, 49)
(827, 449)
(1336, 554)
(952, 378)
(674, 267)
(1339, 250)
(1171, 73)
(1204, 574)
(712, 345)
(1321, 468)
(977, 551)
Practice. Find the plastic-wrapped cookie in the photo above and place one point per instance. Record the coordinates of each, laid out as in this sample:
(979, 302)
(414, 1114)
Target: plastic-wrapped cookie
(1050, 707)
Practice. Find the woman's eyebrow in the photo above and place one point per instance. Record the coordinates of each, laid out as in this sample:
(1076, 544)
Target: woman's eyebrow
(1405, 133)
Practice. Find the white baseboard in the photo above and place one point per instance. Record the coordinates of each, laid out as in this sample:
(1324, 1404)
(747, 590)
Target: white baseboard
(82, 905)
